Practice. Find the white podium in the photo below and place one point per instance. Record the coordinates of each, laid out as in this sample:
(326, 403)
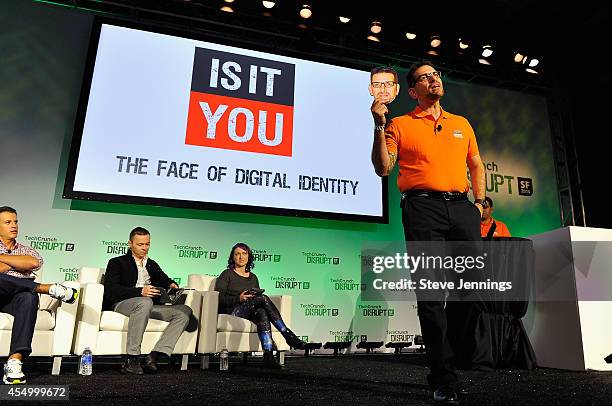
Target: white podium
(567, 328)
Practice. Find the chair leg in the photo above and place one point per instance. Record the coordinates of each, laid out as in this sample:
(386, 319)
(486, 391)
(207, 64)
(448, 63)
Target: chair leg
(204, 361)
(57, 365)
(281, 357)
(184, 362)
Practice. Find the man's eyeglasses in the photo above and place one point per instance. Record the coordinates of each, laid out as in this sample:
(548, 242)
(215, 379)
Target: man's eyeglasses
(388, 84)
(426, 76)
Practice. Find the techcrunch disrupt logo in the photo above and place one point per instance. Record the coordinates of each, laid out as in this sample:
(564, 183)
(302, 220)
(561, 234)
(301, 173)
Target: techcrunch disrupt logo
(70, 274)
(320, 258)
(318, 310)
(115, 247)
(376, 311)
(281, 282)
(347, 284)
(400, 336)
(49, 244)
(263, 256)
(413, 263)
(347, 336)
(194, 252)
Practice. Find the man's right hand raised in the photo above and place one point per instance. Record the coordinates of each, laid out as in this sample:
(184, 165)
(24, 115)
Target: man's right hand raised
(150, 291)
(379, 111)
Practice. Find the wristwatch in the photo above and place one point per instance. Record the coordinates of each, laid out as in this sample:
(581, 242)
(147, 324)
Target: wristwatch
(379, 127)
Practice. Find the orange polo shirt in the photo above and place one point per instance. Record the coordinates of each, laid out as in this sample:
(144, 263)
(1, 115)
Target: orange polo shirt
(501, 229)
(429, 159)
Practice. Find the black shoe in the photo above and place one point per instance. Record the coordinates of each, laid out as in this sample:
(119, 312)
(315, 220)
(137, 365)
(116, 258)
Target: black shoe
(132, 366)
(445, 395)
(270, 361)
(293, 341)
(461, 390)
(150, 364)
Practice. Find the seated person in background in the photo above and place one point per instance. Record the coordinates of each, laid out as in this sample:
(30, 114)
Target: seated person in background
(233, 286)
(130, 288)
(490, 227)
(18, 293)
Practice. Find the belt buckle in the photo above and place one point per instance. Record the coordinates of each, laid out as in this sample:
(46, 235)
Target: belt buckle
(447, 196)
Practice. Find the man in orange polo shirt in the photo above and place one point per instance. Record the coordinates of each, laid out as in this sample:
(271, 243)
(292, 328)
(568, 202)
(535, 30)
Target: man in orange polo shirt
(432, 147)
(490, 227)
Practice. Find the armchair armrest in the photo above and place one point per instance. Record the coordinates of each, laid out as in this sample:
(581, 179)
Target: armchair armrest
(208, 322)
(65, 321)
(88, 317)
(283, 303)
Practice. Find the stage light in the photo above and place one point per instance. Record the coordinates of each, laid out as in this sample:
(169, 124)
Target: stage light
(369, 345)
(487, 51)
(535, 72)
(484, 61)
(410, 35)
(533, 63)
(435, 41)
(229, 1)
(376, 28)
(373, 38)
(306, 11)
(268, 4)
(463, 45)
(337, 346)
(398, 346)
(520, 58)
(311, 347)
(432, 52)
(344, 20)
(227, 9)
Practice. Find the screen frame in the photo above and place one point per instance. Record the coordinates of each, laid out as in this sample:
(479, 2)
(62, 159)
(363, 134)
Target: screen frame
(70, 193)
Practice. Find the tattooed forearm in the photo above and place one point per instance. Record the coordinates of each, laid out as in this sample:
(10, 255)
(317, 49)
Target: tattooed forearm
(392, 160)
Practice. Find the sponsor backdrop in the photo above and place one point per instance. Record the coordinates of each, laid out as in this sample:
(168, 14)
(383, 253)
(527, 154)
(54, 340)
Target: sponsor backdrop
(316, 261)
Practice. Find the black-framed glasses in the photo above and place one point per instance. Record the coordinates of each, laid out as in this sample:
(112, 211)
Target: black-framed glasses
(426, 76)
(388, 84)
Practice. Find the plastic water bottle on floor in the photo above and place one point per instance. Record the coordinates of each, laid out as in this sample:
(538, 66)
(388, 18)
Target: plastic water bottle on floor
(223, 360)
(86, 362)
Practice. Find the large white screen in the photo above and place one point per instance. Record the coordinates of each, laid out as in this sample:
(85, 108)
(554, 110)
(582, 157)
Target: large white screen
(242, 127)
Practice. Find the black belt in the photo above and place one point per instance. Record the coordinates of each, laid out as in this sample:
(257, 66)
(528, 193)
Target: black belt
(452, 196)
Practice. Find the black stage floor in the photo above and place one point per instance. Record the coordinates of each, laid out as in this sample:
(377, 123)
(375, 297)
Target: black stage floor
(378, 379)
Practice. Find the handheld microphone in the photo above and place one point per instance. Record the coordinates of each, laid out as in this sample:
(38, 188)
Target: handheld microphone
(438, 128)
(9, 251)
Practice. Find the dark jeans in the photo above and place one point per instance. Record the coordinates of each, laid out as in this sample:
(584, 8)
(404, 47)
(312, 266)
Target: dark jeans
(18, 299)
(428, 219)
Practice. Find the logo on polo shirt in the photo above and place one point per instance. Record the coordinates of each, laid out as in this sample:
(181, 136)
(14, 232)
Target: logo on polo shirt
(457, 134)
(241, 103)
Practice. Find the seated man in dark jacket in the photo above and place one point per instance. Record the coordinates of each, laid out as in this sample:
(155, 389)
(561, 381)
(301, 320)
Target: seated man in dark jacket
(131, 287)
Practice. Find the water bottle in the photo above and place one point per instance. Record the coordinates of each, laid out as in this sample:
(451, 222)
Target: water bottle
(223, 360)
(85, 363)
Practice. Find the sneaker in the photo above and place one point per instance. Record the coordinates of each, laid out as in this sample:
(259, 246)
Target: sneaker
(63, 293)
(13, 373)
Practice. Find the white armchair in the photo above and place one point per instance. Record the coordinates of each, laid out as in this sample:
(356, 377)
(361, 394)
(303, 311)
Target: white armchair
(105, 332)
(55, 323)
(219, 331)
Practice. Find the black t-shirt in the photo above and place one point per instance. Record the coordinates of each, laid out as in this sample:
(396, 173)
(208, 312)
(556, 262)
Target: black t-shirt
(230, 285)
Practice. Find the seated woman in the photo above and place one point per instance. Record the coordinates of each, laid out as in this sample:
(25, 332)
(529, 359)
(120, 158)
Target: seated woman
(233, 286)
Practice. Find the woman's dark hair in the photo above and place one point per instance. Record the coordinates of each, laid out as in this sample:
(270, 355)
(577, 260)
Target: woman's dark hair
(230, 261)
